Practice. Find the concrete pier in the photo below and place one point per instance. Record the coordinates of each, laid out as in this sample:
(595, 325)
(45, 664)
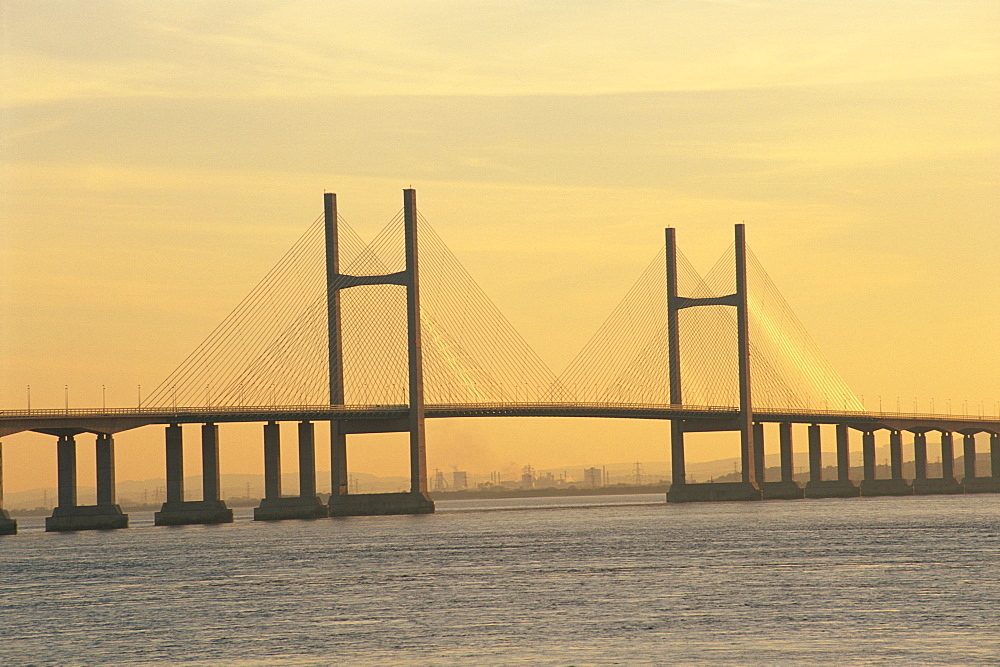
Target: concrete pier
(868, 454)
(785, 451)
(307, 459)
(785, 488)
(969, 455)
(272, 461)
(896, 455)
(842, 487)
(758, 453)
(68, 515)
(946, 484)
(815, 454)
(373, 504)
(919, 457)
(306, 505)
(696, 493)
(8, 526)
(995, 455)
(781, 491)
(947, 456)
(66, 471)
(211, 509)
(871, 485)
(974, 483)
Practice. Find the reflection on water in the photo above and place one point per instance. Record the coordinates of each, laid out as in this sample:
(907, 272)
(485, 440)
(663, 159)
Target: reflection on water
(583, 580)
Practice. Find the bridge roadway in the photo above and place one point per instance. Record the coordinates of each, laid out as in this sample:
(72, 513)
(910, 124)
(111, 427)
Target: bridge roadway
(347, 419)
(374, 418)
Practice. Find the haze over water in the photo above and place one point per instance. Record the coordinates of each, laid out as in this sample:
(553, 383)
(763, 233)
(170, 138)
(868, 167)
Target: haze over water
(619, 580)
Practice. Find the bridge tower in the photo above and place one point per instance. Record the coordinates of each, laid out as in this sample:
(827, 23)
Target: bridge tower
(752, 452)
(417, 501)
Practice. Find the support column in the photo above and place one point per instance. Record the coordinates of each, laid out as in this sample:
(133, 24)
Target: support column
(843, 454)
(307, 460)
(105, 470)
(175, 464)
(995, 456)
(842, 487)
(210, 477)
(868, 454)
(947, 456)
(947, 482)
(758, 449)
(969, 454)
(896, 485)
(974, 483)
(211, 508)
(919, 456)
(815, 454)
(678, 472)
(338, 460)
(8, 526)
(306, 505)
(785, 446)
(71, 516)
(272, 461)
(66, 468)
(896, 454)
(786, 488)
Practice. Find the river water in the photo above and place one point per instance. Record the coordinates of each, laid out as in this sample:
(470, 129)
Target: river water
(559, 581)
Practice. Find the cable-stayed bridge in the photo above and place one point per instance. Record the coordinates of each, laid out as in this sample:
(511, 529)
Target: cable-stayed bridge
(378, 337)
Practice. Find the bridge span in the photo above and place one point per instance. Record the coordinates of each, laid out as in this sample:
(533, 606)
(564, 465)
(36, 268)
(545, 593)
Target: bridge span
(258, 362)
(696, 417)
(68, 425)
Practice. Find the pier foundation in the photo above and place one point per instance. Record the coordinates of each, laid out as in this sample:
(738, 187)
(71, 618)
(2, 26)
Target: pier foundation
(870, 485)
(8, 526)
(781, 491)
(946, 484)
(885, 487)
(211, 509)
(981, 485)
(713, 491)
(306, 505)
(842, 487)
(933, 486)
(372, 504)
(831, 488)
(786, 489)
(68, 515)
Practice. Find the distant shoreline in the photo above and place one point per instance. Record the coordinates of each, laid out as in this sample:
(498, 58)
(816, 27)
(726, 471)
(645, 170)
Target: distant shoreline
(616, 490)
(468, 494)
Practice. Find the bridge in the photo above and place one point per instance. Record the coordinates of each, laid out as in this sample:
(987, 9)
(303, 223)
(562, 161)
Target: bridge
(314, 344)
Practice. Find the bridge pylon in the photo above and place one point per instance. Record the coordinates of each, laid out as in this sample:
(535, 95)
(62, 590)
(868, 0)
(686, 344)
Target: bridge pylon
(417, 501)
(749, 488)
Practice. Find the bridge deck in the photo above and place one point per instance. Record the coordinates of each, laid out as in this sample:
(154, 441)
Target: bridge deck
(115, 420)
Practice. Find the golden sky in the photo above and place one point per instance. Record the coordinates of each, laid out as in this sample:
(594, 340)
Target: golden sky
(158, 158)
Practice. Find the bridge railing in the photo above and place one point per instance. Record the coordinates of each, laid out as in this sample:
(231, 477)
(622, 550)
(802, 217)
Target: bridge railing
(534, 406)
